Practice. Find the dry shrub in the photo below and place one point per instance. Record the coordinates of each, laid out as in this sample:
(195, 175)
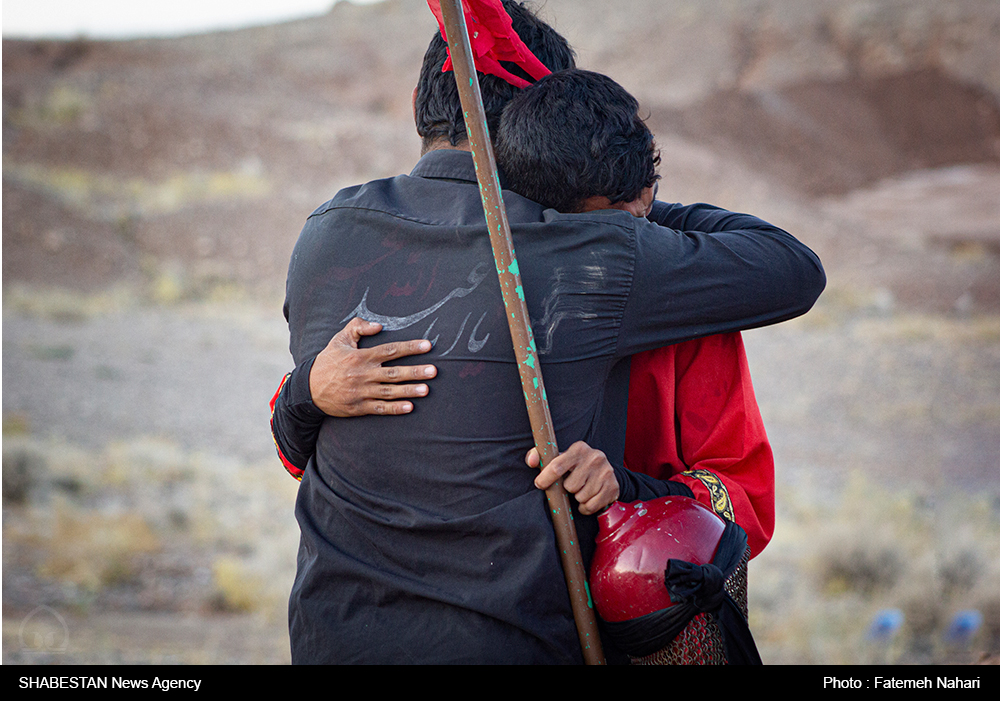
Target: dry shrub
(861, 568)
(237, 589)
(990, 609)
(960, 573)
(22, 470)
(94, 550)
(873, 538)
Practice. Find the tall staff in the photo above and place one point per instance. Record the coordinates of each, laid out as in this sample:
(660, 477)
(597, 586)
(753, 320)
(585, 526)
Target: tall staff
(457, 36)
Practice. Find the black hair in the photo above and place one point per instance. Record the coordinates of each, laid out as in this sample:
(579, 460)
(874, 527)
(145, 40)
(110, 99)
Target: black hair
(438, 107)
(573, 135)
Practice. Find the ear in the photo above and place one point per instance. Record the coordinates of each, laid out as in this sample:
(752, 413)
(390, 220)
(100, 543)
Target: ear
(413, 103)
(644, 204)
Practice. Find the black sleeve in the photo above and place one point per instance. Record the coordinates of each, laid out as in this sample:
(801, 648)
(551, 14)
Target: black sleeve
(634, 486)
(296, 421)
(700, 270)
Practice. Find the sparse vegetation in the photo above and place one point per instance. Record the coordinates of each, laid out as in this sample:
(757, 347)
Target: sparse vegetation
(106, 196)
(145, 527)
(816, 591)
(155, 190)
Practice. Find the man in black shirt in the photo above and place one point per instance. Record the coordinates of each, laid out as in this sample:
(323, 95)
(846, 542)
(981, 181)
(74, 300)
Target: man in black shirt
(424, 537)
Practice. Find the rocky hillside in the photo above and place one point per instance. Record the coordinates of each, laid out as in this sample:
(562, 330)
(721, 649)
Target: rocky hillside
(185, 165)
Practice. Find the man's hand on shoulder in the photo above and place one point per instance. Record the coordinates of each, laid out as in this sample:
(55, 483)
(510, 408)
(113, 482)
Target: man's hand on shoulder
(588, 476)
(349, 381)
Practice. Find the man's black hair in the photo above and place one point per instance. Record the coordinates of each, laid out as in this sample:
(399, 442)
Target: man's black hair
(438, 107)
(573, 135)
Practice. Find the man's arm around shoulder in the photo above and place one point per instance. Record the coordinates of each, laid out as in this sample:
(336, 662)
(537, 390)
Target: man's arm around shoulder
(700, 270)
(794, 262)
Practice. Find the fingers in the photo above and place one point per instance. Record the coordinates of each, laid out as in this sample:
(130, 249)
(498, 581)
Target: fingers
(532, 458)
(558, 466)
(358, 327)
(383, 399)
(588, 476)
(401, 349)
(367, 328)
(550, 473)
(384, 408)
(594, 491)
(407, 373)
(605, 497)
(348, 381)
(390, 392)
(355, 329)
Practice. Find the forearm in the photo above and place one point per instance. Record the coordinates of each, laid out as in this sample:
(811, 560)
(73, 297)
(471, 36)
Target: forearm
(702, 270)
(634, 486)
(295, 421)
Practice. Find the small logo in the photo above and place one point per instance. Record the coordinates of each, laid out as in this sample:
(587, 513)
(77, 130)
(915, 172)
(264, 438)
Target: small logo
(44, 631)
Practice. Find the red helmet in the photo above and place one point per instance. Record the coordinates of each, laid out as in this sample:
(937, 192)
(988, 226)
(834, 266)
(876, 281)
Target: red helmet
(633, 546)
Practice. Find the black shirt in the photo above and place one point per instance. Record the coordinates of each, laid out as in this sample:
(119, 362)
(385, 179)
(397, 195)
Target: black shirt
(423, 536)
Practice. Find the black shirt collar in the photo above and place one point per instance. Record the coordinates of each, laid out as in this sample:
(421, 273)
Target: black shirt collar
(446, 163)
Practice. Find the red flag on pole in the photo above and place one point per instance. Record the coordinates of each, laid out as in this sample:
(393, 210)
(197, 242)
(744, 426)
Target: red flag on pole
(493, 40)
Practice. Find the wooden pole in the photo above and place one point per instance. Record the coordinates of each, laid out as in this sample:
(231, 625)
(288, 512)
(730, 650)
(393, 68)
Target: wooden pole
(520, 326)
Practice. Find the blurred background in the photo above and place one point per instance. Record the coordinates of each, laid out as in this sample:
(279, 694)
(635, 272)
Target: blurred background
(153, 189)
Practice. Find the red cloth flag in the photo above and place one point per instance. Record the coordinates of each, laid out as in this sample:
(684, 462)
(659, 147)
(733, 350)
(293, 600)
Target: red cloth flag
(493, 40)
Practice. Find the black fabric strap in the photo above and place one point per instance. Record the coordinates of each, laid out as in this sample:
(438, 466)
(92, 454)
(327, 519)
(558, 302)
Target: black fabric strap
(695, 589)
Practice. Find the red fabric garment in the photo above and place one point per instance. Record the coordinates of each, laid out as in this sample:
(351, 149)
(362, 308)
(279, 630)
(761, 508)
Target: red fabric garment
(692, 407)
(493, 39)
